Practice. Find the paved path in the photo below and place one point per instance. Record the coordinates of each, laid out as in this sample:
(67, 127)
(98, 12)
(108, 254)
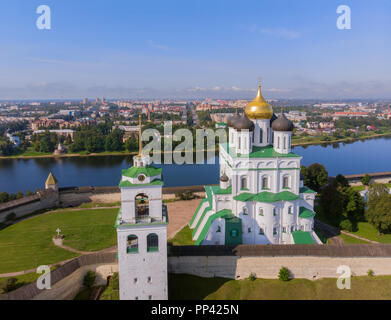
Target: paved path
(358, 237)
(333, 233)
(179, 215)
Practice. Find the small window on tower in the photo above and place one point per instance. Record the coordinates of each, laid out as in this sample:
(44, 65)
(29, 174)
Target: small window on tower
(149, 280)
(149, 297)
(245, 212)
(285, 182)
(218, 229)
(261, 211)
(249, 230)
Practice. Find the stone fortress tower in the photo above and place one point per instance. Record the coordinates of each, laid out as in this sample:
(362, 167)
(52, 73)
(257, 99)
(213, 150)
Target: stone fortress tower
(261, 198)
(142, 232)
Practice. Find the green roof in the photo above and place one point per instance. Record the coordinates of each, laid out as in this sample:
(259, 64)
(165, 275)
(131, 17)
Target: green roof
(156, 182)
(198, 209)
(306, 213)
(218, 190)
(149, 171)
(302, 237)
(306, 190)
(259, 152)
(208, 192)
(267, 197)
(226, 213)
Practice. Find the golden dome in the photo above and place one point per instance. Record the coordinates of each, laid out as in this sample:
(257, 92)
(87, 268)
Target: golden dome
(259, 108)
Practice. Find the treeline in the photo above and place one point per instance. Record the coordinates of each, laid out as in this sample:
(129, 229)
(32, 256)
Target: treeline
(337, 202)
(5, 197)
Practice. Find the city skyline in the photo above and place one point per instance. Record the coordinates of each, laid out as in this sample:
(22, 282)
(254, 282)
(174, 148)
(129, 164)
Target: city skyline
(195, 50)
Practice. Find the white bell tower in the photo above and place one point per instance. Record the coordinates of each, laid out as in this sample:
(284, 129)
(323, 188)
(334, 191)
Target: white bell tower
(142, 232)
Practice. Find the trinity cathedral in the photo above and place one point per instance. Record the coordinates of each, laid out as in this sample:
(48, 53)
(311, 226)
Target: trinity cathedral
(261, 198)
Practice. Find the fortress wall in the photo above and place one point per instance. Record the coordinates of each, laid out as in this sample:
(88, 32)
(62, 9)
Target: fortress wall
(67, 288)
(235, 267)
(30, 207)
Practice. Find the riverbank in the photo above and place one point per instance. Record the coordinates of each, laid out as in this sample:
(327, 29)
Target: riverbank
(126, 153)
(347, 139)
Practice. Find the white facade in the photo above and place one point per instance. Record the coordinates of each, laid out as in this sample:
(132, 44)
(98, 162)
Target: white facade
(142, 234)
(263, 195)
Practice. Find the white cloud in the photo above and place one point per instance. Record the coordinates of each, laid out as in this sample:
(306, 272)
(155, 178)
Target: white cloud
(275, 32)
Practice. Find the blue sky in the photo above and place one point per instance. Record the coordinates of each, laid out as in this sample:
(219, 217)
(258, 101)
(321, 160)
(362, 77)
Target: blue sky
(184, 49)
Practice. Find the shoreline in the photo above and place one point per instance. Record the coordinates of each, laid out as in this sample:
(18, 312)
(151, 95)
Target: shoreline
(103, 154)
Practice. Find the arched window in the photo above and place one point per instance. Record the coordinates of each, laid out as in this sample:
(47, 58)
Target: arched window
(132, 245)
(260, 135)
(265, 183)
(142, 205)
(284, 142)
(152, 242)
(290, 210)
(261, 211)
(285, 182)
(278, 142)
(245, 212)
(243, 183)
(239, 143)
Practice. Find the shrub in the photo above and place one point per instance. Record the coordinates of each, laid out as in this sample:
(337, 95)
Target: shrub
(89, 279)
(346, 225)
(284, 274)
(188, 195)
(252, 276)
(365, 180)
(8, 285)
(370, 273)
(114, 281)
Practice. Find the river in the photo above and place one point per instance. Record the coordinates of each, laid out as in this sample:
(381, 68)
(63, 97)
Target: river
(372, 155)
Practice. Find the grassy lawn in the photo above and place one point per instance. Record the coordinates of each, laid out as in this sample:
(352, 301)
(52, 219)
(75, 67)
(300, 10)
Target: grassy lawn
(182, 238)
(28, 244)
(99, 205)
(368, 231)
(352, 240)
(358, 188)
(195, 288)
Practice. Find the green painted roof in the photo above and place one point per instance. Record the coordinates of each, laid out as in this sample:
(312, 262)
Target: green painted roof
(218, 190)
(302, 237)
(259, 152)
(156, 182)
(198, 209)
(306, 190)
(267, 197)
(306, 213)
(149, 171)
(226, 213)
(208, 192)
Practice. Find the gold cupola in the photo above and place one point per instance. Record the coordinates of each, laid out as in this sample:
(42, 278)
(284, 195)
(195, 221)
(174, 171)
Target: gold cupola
(259, 108)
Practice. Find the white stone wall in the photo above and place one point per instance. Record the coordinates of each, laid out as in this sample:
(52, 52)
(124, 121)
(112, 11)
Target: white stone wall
(262, 128)
(142, 275)
(268, 267)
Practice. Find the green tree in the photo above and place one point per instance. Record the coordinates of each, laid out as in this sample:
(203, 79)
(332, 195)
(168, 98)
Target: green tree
(315, 176)
(113, 141)
(131, 144)
(284, 274)
(379, 207)
(365, 180)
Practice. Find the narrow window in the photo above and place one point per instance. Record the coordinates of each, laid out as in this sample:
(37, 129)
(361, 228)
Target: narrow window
(149, 279)
(260, 135)
(284, 229)
(284, 142)
(261, 211)
(245, 211)
(218, 229)
(243, 183)
(135, 280)
(149, 297)
(290, 210)
(274, 231)
(152, 242)
(285, 182)
(261, 231)
(274, 211)
(249, 230)
(132, 246)
(278, 143)
(265, 183)
(268, 135)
